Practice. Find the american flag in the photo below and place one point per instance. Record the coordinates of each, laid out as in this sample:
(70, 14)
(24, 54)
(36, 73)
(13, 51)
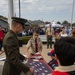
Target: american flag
(40, 68)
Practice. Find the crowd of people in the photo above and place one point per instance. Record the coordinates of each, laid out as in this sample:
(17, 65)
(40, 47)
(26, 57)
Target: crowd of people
(29, 31)
(62, 55)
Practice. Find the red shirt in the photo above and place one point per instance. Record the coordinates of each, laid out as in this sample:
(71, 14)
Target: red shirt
(59, 73)
(1, 35)
(56, 32)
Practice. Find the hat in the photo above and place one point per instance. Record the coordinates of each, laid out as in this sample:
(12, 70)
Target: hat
(19, 20)
(52, 53)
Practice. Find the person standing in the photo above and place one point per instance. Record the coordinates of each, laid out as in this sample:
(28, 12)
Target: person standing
(1, 39)
(73, 33)
(34, 43)
(63, 33)
(49, 34)
(13, 64)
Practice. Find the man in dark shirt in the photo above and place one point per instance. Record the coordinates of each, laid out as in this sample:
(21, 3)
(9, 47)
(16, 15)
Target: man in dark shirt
(13, 64)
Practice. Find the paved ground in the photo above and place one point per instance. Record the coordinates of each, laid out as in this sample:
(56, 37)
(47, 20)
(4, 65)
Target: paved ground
(44, 52)
(22, 51)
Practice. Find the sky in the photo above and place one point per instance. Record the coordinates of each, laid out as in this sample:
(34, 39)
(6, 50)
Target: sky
(46, 10)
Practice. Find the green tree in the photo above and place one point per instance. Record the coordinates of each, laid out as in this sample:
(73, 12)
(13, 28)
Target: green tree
(3, 17)
(73, 24)
(69, 24)
(65, 22)
(58, 22)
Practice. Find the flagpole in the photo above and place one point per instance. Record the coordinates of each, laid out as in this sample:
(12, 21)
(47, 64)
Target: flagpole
(10, 12)
(19, 9)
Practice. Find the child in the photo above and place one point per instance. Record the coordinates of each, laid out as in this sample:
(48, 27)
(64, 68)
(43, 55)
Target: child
(65, 55)
(53, 63)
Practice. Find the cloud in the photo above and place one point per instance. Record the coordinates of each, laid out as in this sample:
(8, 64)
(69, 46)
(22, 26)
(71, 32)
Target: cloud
(45, 5)
(3, 7)
(33, 9)
(56, 5)
(2, 3)
(29, 1)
